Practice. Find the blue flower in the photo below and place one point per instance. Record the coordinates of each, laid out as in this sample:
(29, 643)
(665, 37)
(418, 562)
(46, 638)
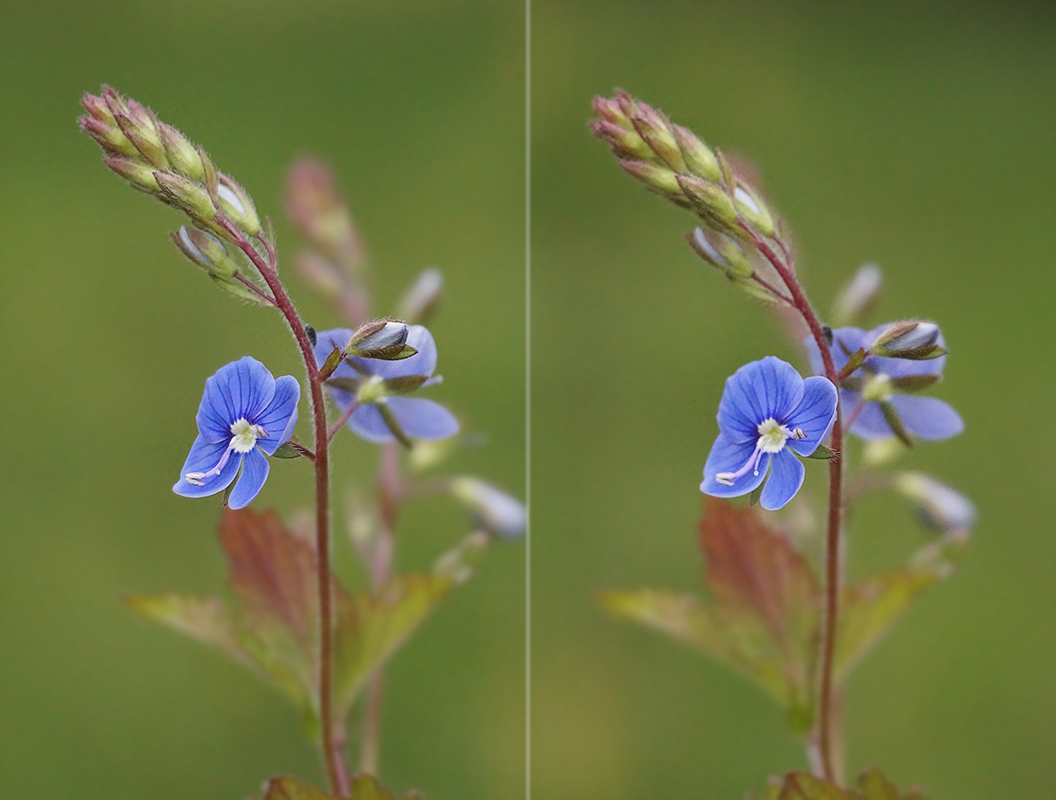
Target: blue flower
(245, 414)
(767, 413)
(419, 418)
(879, 380)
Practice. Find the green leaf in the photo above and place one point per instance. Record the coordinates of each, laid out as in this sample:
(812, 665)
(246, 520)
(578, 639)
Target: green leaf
(892, 418)
(824, 453)
(853, 362)
(872, 605)
(393, 425)
(371, 627)
(332, 362)
(205, 619)
(287, 451)
(350, 385)
(764, 620)
(910, 384)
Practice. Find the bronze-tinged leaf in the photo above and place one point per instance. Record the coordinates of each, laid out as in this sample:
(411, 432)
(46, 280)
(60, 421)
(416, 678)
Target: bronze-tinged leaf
(872, 785)
(872, 605)
(202, 618)
(804, 786)
(371, 627)
(755, 569)
(272, 572)
(290, 788)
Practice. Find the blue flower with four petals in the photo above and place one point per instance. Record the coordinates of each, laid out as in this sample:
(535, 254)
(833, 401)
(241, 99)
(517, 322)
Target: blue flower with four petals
(418, 417)
(877, 381)
(768, 414)
(244, 416)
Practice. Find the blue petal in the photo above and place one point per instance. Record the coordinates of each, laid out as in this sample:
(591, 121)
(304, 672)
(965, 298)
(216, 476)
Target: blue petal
(241, 389)
(255, 470)
(814, 415)
(756, 392)
(423, 419)
(422, 363)
(726, 456)
(927, 417)
(367, 423)
(785, 479)
(870, 423)
(203, 457)
(280, 417)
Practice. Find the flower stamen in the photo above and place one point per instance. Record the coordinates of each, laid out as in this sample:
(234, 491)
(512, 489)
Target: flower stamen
(244, 437)
(772, 438)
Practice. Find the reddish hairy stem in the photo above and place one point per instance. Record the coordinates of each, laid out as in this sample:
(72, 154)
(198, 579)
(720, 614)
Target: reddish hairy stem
(826, 704)
(332, 738)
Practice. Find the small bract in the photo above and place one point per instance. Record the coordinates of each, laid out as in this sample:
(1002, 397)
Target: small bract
(768, 414)
(244, 416)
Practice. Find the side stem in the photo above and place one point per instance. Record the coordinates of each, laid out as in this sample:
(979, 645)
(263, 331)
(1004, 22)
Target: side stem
(826, 699)
(331, 729)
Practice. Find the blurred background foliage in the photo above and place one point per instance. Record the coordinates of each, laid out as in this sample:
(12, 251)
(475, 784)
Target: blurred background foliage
(109, 335)
(918, 136)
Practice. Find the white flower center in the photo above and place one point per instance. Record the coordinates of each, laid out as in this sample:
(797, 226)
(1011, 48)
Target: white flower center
(244, 435)
(772, 436)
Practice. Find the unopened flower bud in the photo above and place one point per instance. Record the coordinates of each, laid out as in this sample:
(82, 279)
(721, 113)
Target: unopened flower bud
(625, 143)
(139, 128)
(421, 299)
(237, 206)
(138, 174)
(911, 339)
(206, 251)
(609, 110)
(96, 106)
(699, 158)
(499, 513)
(384, 339)
(710, 202)
(754, 210)
(940, 507)
(109, 137)
(659, 179)
(723, 252)
(186, 194)
(857, 296)
(183, 156)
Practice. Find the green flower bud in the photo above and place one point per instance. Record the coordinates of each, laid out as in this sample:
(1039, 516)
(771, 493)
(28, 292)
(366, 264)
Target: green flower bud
(182, 155)
(109, 137)
(659, 179)
(710, 202)
(698, 156)
(722, 252)
(186, 194)
(138, 174)
(754, 210)
(237, 206)
(206, 251)
(915, 340)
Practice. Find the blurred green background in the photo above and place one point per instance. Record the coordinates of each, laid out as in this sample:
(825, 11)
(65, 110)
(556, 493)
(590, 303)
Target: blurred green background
(919, 136)
(109, 335)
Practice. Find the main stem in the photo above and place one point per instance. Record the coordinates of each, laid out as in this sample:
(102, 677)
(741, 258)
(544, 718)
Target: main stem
(826, 699)
(332, 738)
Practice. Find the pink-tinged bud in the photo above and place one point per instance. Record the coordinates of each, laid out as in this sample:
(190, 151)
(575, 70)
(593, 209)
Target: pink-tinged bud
(182, 155)
(138, 174)
(109, 138)
(625, 143)
(114, 101)
(626, 104)
(145, 138)
(609, 110)
(237, 206)
(422, 298)
(857, 296)
(96, 106)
